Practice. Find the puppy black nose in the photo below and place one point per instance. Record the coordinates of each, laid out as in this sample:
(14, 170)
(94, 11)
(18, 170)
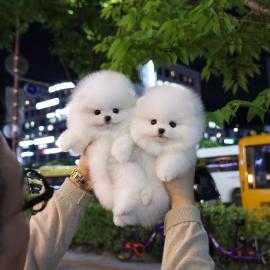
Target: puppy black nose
(107, 118)
(161, 131)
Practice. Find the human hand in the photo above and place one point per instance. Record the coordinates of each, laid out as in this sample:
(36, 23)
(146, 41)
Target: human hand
(180, 190)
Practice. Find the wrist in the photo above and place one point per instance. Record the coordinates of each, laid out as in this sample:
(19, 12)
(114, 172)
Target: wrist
(84, 173)
(80, 179)
(180, 202)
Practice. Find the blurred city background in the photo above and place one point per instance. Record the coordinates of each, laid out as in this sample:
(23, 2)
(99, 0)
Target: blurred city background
(219, 49)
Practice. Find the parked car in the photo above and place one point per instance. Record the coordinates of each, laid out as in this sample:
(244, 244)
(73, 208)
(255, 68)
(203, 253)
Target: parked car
(56, 174)
(222, 164)
(204, 186)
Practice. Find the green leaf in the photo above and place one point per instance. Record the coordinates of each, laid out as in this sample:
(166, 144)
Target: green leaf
(114, 47)
(128, 21)
(228, 24)
(232, 49)
(121, 50)
(235, 88)
(251, 114)
(165, 26)
(228, 113)
(218, 118)
(184, 57)
(243, 82)
(228, 83)
(206, 73)
(145, 23)
(216, 27)
(106, 12)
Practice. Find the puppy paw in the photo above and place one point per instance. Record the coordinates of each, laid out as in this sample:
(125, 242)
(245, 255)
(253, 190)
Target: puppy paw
(69, 142)
(65, 141)
(121, 149)
(124, 220)
(118, 221)
(166, 174)
(77, 149)
(122, 210)
(120, 152)
(146, 196)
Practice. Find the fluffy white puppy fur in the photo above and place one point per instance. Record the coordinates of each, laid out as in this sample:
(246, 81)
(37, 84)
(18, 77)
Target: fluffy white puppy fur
(166, 126)
(168, 123)
(99, 112)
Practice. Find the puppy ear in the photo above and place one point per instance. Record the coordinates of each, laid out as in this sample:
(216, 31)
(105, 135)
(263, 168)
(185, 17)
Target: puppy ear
(195, 106)
(191, 107)
(133, 92)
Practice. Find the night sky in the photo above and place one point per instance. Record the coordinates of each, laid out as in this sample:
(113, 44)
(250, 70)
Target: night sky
(45, 67)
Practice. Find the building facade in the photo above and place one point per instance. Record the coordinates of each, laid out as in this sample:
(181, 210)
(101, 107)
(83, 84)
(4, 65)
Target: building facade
(43, 116)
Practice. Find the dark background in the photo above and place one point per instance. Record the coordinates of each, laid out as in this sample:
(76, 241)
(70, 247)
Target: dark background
(43, 66)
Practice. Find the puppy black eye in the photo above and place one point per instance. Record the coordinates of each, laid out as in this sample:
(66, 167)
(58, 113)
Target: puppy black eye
(172, 124)
(115, 110)
(97, 112)
(153, 121)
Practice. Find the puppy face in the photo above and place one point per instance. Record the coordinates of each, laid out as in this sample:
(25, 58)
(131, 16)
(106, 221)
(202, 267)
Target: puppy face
(106, 108)
(102, 101)
(167, 116)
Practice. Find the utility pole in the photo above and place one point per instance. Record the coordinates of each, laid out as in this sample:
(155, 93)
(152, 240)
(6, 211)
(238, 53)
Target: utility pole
(15, 93)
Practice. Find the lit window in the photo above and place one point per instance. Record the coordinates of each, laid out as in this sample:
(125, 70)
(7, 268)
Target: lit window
(61, 86)
(47, 103)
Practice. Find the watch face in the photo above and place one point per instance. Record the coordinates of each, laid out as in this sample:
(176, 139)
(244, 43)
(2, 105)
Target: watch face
(81, 181)
(78, 177)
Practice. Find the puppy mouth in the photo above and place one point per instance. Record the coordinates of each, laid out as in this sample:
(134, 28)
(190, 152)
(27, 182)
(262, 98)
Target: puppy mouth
(160, 138)
(111, 123)
(105, 125)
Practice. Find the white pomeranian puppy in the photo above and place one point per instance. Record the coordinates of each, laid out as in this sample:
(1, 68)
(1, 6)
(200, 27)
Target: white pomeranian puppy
(166, 126)
(99, 113)
(168, 123)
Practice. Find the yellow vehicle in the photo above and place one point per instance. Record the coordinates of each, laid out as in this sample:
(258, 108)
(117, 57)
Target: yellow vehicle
(56, 174)
(254, 168)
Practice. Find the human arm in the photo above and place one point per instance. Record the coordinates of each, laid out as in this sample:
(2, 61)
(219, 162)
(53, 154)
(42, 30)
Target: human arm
(52, 230)
(186, 241)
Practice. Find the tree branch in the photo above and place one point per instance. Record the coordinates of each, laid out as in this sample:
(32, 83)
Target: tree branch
(257, 8)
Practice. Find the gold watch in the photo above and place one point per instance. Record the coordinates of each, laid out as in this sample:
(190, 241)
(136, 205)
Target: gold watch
(79, 180)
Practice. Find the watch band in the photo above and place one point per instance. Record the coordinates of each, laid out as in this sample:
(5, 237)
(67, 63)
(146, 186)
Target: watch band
(79, 180)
